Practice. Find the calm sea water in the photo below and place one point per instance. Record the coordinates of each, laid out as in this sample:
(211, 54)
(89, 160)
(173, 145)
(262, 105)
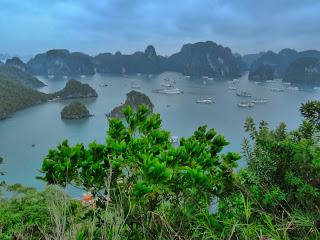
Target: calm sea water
(41, 125)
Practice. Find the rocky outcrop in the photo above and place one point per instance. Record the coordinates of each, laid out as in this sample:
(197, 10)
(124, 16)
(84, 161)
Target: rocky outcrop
(21, 76)
(75, 89)
(134, 100)
(75, 110)
(250, 58)
(61, 62)
(204, 59)
(17, 63)
(304, 71)
(281, 60)
(262, 73)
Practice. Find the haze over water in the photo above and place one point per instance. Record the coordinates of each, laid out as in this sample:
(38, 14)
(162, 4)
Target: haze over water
(41, 125)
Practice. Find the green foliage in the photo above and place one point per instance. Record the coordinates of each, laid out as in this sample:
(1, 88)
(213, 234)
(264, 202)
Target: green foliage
(144, 187)
(311, 111)
(139, 159)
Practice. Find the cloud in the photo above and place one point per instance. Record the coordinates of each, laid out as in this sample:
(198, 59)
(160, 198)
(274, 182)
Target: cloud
(129, 25)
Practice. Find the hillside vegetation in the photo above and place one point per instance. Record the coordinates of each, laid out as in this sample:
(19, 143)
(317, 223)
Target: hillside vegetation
(14, 97)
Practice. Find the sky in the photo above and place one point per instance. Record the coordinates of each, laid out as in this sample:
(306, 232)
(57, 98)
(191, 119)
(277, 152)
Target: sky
(93, 26)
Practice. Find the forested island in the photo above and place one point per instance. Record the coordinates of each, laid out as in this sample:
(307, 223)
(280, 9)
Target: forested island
(75, 110)
(134, 100)
(15, 96)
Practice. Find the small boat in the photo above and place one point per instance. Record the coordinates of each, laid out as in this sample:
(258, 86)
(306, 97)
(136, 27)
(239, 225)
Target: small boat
(167, 85)
(246, 104)
(33, 145)
(271, 81)
(232, 88)
(65, 77)
(135, 85)
(286, 83)
(277, 89)
(205, 77)
(171, 91)
(187, 76)
(50, 76)
(259, 100)
(174, 139)
(293, 88)
(205, 101)
(150, 75)
(210, 78)
(83, 76)
(316, 88)
(243, 94)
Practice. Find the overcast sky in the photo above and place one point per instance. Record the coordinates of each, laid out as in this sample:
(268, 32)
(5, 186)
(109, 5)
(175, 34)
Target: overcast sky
(93, 26)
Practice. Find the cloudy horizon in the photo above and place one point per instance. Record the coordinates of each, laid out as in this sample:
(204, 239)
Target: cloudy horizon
(247, 26)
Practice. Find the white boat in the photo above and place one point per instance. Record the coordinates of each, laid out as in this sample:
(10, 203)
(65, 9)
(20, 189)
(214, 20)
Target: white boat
(259, 100)
(271, 81)
(174, 139)
(83, 76)
(286, 83)
(187, 76)
(210, 78)
(243, 94)
(50, 76)
(135, 85)
(277, 89)
(205, 101)
(246, 104)
(205, 77)
(171, 91)
(65, 77)
(293, 88)
(232, 88)
(167, 85)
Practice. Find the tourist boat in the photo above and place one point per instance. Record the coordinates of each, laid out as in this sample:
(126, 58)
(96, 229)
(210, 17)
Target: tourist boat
(277, 89)
(293, 88)
(259, 100)
(232, 88)
(286, 83)
(171, 91)
(50, 76)
(271, 81)
(187, 76)
(246, 104)
(205, 101)
(243, 94)
(135, 85)
(210, 78)
(83, 75)
(167, 85)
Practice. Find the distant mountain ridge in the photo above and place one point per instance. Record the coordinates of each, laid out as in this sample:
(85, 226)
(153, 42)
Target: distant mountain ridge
(201, 58)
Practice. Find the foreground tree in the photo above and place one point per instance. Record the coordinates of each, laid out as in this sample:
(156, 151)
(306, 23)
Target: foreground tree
(139, 167)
